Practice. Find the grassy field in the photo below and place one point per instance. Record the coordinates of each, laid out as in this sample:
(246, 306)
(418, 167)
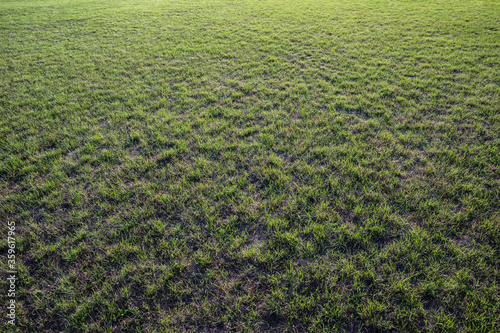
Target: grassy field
(251, 165)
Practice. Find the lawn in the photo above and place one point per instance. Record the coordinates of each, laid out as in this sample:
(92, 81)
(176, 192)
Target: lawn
(251, 165)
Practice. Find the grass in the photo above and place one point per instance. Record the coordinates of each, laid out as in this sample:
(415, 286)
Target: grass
(252, 165)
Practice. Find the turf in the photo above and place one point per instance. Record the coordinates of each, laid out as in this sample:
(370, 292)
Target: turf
(251, 165)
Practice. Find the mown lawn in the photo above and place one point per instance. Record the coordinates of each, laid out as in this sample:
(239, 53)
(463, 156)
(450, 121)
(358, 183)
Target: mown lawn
(251, 165)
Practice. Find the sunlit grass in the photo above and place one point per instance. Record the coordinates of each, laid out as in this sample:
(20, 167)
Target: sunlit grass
(254, 165)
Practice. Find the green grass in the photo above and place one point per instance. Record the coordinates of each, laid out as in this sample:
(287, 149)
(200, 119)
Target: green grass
(252, 165)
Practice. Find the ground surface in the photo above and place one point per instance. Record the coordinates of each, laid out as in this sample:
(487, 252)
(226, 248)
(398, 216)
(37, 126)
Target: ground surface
(269, 165)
